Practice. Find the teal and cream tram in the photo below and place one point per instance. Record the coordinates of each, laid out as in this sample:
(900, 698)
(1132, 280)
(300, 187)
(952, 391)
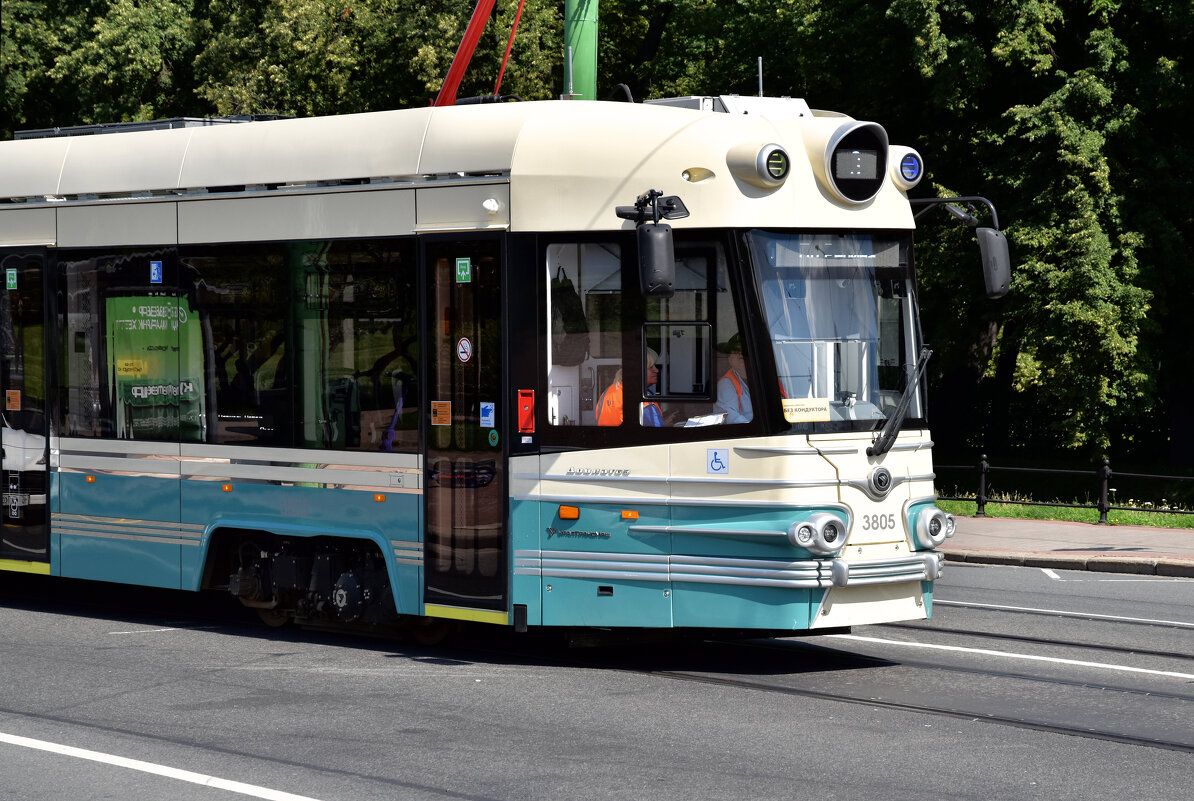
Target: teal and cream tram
(542, 364)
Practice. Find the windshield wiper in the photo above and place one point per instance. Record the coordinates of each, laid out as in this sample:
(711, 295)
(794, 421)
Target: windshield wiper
(887, 436)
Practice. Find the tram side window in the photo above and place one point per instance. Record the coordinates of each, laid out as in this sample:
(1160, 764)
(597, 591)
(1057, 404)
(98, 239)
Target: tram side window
(357, 346)
(584, 316)
(311, 344)
(126, 340)
(242, 300)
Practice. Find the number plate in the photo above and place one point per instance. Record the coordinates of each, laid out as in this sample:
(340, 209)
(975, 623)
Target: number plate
(15, 499)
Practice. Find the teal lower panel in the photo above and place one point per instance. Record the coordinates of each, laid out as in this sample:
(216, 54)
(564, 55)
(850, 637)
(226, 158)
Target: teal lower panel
(150, 564)
(926, 587)
(123, 529)
(729, 606)
(596, 602)
(525, 590)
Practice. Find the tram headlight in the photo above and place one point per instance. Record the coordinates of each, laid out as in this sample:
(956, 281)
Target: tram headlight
(800, 535)
(933, 527)
(821, 534)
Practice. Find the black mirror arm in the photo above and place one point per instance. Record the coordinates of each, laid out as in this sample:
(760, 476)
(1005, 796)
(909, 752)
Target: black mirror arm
(933, 202)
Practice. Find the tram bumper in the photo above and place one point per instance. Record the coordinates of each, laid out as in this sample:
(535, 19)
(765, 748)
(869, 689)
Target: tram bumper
(922, 567)
(869, 591)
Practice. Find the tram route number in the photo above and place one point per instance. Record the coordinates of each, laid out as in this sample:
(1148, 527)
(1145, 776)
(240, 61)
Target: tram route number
(878, 522)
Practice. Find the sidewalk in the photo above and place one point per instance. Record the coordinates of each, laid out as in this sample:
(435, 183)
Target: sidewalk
(1073, 546)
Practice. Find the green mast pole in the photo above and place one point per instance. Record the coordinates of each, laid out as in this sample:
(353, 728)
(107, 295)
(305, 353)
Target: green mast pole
(580, 33)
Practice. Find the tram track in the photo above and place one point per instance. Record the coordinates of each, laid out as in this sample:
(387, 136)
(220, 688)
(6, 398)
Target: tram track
(943, 710)
(938, 711)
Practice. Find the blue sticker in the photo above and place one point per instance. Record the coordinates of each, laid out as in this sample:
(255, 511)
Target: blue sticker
(487, 414)
(155, 272)
(717, 460)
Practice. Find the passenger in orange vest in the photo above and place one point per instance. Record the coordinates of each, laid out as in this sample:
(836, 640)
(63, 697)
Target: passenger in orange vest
(733, 393)
(609, 406)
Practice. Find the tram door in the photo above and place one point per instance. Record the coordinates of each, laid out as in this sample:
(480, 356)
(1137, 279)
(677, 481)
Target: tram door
(465, 548)
(24, 478)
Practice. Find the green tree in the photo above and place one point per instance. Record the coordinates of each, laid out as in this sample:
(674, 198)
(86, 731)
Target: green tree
(305, 57)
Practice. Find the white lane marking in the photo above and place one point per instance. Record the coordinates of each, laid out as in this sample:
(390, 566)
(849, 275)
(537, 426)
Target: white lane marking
(1182, 623)
(1088, 578)
(150, 767)
(1012, 655)
(142, 631)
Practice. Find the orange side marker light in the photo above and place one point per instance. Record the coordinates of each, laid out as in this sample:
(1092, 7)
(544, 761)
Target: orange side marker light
(569, 513)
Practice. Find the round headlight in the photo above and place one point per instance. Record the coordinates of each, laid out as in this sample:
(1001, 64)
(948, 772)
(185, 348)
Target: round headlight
(932, 528)
(800, 535)
(822, 534)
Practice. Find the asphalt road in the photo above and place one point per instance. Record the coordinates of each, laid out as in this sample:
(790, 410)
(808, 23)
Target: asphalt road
(1028, 683)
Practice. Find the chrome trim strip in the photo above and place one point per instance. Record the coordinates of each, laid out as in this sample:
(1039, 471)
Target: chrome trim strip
(681, 480)
(131, 530)
(407, 552)
(792, 583)
(730, 561)
(657, 558)
(790, 450)
(802, 574)
(183, 194)
(710, 532)
(864, 486)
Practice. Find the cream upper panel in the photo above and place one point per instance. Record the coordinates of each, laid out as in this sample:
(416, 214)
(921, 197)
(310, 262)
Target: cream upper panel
(569, 163)
(382, 144)
(562, 181)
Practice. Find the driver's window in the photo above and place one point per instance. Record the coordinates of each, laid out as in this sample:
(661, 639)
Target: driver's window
(701, 377)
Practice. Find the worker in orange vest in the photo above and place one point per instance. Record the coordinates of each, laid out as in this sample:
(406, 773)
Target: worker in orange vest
(733, 393)
(609, 406)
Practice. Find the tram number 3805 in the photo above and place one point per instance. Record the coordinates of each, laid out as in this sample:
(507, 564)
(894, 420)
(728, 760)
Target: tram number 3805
(878, 522)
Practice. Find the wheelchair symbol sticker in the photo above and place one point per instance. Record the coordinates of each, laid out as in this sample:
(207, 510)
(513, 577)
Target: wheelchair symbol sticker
(717, 460)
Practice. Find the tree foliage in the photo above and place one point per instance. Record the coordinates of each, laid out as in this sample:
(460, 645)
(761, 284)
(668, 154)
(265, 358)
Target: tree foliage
(1069, 115)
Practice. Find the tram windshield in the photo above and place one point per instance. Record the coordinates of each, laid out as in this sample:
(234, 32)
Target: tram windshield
(841, 317)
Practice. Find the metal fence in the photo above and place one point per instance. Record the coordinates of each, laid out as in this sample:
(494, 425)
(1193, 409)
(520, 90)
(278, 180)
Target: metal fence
(1100, 479)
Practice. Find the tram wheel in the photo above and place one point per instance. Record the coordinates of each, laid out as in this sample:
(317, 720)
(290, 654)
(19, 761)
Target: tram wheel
(274, 618)
(431, 632)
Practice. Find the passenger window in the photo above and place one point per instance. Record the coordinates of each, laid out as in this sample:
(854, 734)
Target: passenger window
(584, 316)
(131, 344)
(358, 349)
(313, 344)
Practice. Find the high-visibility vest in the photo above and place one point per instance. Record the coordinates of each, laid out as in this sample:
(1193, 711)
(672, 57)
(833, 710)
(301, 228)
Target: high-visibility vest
(737, 385)
(609, 407)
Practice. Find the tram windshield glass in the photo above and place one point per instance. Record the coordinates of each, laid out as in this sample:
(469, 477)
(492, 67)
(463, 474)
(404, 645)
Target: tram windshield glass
(841, 317)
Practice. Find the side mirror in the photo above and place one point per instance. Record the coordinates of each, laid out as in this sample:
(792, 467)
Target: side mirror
(656, 260)
(997, 264)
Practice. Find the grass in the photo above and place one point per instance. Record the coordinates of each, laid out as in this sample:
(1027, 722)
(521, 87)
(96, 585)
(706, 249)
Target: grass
(1116, 517)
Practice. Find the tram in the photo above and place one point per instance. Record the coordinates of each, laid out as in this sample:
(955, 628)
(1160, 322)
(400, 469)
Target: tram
(357, 368)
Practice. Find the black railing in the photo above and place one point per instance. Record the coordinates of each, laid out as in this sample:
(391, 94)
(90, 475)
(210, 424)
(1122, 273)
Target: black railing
(1101, 477)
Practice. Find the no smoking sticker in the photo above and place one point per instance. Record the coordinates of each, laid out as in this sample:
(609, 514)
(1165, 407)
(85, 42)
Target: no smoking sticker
(464, 349)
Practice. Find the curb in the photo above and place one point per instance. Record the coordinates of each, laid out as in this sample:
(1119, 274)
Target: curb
(1170, 566)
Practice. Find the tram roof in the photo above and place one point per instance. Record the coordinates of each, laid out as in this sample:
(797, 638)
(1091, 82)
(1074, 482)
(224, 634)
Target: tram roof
(568, 163)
